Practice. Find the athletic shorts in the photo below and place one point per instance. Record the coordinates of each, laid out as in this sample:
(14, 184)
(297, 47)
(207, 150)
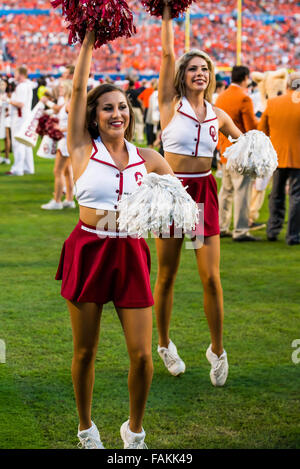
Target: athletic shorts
(202, 187)
(98, 267)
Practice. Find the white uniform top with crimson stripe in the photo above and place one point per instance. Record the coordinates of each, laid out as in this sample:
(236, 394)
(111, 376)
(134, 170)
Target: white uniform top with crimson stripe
(185, 135)
(22, 94)
(102, 184)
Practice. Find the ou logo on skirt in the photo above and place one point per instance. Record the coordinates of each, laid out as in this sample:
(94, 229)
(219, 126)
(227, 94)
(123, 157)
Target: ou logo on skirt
(138, 178)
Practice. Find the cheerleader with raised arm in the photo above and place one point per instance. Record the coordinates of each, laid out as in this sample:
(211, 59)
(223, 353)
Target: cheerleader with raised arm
(98, 262)
(190, 125)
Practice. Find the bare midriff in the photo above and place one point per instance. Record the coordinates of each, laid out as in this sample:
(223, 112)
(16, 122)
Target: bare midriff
(106, 219)
(188, 164)
(102, 219)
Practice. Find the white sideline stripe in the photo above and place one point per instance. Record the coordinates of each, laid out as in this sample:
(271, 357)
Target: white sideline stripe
(105, 233)
(193, 175)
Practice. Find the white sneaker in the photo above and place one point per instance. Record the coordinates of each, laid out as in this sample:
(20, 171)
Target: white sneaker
(219, 367)
(52, 205)
(90, 438)
(4, 160)
(171, 359)
(69, 204)
(132, 440)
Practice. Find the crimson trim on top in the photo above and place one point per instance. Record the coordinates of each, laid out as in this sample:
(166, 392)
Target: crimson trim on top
(120, 187)
(198, 140)
(138, 152)
(97, 159)
(191, 117)
(110, 164)
(209, 120)
(187, 115)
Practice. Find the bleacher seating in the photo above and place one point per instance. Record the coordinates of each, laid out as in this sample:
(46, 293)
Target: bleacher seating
(270, 37)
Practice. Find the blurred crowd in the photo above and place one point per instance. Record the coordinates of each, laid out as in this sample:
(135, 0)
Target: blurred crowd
(55, 93)
(41, 42)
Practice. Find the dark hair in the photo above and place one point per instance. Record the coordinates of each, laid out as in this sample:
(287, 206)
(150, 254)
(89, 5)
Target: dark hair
(41, 81)
(11, 86)
(92, 103)
(239, 73)
(220, 84)
(23, 71)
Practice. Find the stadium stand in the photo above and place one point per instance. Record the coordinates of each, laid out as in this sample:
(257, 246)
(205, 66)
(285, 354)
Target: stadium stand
(33, 33)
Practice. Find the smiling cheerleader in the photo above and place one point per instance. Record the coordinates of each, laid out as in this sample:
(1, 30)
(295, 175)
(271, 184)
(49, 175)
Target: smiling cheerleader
(190, 126)
(99, 262)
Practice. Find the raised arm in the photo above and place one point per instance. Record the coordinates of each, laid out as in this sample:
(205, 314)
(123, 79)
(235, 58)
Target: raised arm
(166, 90)
(78, 135)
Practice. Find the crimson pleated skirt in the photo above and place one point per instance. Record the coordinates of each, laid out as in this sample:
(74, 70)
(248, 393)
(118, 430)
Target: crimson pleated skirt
(100, 269)
(202, 187)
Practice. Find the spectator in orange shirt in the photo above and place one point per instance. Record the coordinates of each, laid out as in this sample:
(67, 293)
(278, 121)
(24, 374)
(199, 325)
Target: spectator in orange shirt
(144, 97)
(281, 121)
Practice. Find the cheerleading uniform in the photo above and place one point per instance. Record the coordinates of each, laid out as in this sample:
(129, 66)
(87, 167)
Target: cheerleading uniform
(185, 135)
(23, 154)
(97, 265)
(2, 118)
(63, 123)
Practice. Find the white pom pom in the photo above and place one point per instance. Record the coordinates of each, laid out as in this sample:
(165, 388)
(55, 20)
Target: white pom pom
(155, 205)
(252, 154)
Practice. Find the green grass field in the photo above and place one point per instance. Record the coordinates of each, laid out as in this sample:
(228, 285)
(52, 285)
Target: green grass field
(259, 407)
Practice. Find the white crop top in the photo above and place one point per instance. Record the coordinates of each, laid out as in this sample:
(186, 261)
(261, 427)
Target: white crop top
(63, 119)
(185, 135)
(102, 184)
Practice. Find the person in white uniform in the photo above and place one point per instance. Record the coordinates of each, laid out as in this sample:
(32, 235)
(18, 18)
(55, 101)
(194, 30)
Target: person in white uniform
(62, 167)
(96, 269)
(190, 126)
(20, 101)
(4, 106)
(7, 121)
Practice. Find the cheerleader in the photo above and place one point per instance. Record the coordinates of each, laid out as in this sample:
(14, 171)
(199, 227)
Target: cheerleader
(5, 94)
(98, 262)
(62, 167)
(190, 126)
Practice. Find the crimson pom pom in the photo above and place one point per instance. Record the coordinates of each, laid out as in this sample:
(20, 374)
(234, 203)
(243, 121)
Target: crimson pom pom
(108, 18)
(42, 122)
(156, 7)
(55, 134)
(48, 126)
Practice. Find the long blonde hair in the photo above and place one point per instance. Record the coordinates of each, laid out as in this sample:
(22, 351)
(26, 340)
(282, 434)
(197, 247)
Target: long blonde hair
(180, 68)
(67, 87)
